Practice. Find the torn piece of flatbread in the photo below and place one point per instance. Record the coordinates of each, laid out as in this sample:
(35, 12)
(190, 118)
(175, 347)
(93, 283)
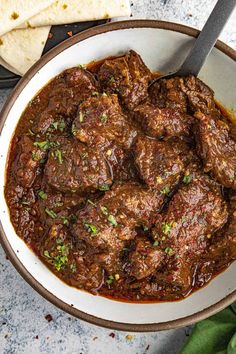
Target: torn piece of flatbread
(21, 48)
(14, 12)
(69, 11)
(8, 67)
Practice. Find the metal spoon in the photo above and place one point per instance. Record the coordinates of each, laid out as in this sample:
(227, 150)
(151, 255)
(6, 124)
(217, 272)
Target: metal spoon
(205, 41)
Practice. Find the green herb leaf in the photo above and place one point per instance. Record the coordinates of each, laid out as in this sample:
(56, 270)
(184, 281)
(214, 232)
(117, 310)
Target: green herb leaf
(63, 249)
(59, 262)
(43, 145)
(65, 220)
(58, 154)
(42, 195)
(91, 202)
(46, 254)
(104, 187)
(73, 267)
(156, 243)
(58, 125)
(36, 156)
(110, 280)
(165, 190)
(112, 220)
(104, 210)
(187, 179)
(145, 228)
(95, 94)
(74, 129)
(51, 213)
(91, 228)
(104, 118)
(168, 250)
(31, 132)
(112, 79)
(166, 228)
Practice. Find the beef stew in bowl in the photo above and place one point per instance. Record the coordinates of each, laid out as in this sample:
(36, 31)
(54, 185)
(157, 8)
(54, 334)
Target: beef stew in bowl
(123, 192)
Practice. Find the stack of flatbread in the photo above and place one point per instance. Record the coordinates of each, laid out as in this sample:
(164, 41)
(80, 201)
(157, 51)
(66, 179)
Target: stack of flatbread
(25, 25)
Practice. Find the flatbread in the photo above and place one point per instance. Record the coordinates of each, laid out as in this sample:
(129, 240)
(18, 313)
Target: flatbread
(69, 11)
(8, 67)
(23, 47)
(14, 12)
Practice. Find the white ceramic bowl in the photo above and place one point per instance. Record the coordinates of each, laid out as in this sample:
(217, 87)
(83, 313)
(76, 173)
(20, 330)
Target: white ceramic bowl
(163, 46)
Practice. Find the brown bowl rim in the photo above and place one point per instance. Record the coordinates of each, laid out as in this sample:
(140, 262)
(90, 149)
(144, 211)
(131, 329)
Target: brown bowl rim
(149, 327)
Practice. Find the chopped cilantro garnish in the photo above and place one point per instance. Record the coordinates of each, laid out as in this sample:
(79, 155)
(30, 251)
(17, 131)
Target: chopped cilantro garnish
(145, 228)
(51, 213)
(104, 118)
(59, 156)
(43, 145)
(81, 117)
(36, 156)
(42, 195)
(104, 210)
(187, 179)
(73, 267)
(104, 187)
(58, 125)
(91, 228)
(165, 190)
(74, 129)
(59, 262)
(63, 249)
(65, 220)
(110, 280)
(112, 220)
(156, 243)
(166, 228)
(46, 254)
(95, 93)
(31, 132)
(168, 250)
(91, 202)
(112, 79)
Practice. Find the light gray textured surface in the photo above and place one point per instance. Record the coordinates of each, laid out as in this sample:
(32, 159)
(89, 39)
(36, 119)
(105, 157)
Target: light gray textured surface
(23, 327)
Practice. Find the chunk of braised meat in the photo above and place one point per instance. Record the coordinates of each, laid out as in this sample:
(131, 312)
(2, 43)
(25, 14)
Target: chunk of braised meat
(113, 219)
(88, 275)
(195, 212)
(224, 241)
(183, 93)
(144, 259)
(28, 162)
(121, 163)
(101, 121)
(163, 122)
(71, 88)
(57, 201)
(161, 164)
(169, 281)
(216, 148)
(73, 167)
(127, 76)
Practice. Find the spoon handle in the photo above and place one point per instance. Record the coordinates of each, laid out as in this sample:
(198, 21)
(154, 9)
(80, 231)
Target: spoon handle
(207, 38)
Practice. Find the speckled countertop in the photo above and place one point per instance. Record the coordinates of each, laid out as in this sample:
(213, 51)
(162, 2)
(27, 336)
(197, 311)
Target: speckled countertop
(23, 326)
